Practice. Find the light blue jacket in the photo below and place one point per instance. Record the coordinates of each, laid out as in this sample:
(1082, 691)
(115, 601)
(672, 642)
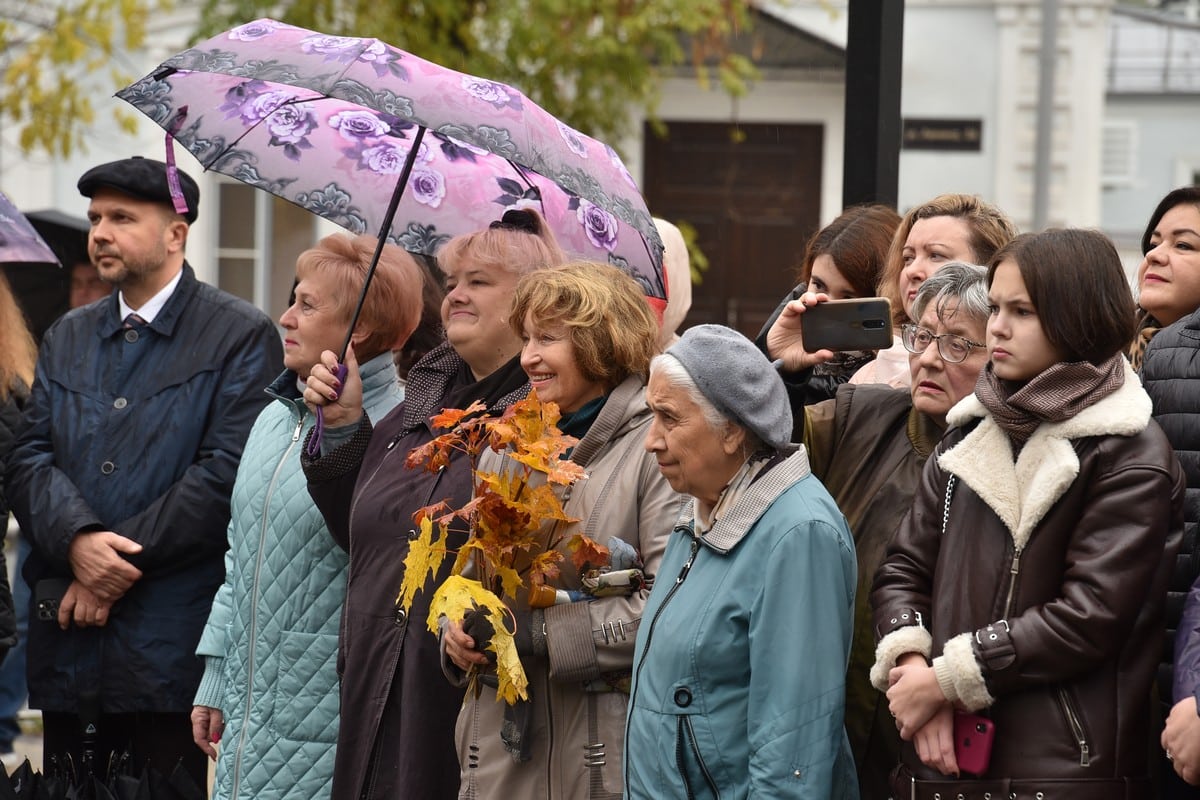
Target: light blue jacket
(739, 670)
(270, 644)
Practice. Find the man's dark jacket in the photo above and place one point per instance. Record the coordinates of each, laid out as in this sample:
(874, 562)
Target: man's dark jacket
(138, 431)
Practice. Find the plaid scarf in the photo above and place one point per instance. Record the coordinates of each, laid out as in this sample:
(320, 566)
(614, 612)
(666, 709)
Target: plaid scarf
(1057, 394)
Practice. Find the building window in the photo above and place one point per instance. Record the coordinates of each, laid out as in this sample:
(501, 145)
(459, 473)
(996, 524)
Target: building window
(1118, 153)
(258, 239)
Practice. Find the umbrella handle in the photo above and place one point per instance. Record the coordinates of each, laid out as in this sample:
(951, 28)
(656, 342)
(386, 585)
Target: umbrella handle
(313, 448)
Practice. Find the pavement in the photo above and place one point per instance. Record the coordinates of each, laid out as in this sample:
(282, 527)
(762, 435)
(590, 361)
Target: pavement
(29, 744)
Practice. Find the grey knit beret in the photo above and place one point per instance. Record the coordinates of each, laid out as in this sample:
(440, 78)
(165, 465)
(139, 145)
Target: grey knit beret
(738, 380)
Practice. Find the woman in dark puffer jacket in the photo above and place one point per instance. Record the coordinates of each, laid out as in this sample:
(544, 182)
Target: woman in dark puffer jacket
(1169, 346)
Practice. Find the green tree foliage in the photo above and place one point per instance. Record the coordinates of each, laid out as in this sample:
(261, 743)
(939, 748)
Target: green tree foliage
(585, 61)
(52, 52)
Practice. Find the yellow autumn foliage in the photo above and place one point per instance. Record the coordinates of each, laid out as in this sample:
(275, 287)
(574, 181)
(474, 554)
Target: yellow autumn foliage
(458, 595)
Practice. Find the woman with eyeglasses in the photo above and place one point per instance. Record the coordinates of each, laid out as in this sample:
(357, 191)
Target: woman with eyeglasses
(949, 228)
(868, 445)
(1026, 586)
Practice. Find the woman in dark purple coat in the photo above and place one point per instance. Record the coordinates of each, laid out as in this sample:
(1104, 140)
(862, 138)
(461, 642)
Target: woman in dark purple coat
(398, 712)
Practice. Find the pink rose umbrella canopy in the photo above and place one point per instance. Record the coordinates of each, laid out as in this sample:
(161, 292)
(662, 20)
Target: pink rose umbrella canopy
(19, 242)
(330, 123)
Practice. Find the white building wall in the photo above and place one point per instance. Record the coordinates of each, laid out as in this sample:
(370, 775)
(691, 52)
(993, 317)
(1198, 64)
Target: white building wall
(951, 67)
(1166, 155)
(978, 59)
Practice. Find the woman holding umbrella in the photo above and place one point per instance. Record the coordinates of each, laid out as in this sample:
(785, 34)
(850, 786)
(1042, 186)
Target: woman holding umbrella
(396, 737)
(273, 627)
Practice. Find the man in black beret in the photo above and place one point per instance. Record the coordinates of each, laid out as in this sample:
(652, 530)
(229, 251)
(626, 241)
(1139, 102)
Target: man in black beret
(140, 408)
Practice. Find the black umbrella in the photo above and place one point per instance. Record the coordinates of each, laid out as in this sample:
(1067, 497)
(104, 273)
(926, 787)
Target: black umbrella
(42, 290)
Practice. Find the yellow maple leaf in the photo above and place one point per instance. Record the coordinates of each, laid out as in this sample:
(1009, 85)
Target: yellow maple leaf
(458, 595)
(424, 559)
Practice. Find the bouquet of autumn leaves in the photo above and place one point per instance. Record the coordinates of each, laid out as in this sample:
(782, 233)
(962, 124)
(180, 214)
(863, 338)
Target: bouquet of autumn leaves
(505, 518)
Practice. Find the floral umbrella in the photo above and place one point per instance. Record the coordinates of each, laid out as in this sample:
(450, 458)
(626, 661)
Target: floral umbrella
(19, 242)
(350, 127)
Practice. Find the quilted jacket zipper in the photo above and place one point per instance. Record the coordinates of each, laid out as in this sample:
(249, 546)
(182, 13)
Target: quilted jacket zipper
(236, 778)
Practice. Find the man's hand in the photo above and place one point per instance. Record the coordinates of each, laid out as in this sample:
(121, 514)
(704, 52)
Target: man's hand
(83, 606)
(1181, 740)
(785, 339)
(97, 563)
(207, 726)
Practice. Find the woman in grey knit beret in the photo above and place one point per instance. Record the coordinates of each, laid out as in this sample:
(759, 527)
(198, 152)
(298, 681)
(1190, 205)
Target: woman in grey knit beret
(739, 668)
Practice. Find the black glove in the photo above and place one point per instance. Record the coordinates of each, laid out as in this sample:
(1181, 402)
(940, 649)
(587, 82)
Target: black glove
(478, 626)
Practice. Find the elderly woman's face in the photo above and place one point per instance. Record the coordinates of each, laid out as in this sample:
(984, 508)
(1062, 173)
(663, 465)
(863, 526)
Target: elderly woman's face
(475, 316)
(313, 323)
(694, 458)
(938, 384)
(548, 358)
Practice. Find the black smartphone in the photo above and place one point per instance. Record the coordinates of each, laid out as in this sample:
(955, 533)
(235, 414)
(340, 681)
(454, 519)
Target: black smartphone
(47, 594)
(864, 323)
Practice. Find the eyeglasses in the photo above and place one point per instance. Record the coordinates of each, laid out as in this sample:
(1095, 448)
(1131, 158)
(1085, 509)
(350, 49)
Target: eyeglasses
(951, 348)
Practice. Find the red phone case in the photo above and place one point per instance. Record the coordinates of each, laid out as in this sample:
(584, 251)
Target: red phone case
(973, 737)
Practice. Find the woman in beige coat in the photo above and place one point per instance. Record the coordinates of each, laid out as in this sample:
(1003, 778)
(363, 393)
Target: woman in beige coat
(588, 338)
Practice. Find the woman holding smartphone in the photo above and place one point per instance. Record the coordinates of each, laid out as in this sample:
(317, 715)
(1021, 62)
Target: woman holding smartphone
(1027, 582)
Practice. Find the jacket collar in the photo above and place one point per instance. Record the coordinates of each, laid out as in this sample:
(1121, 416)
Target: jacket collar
(766, 489)
(375, 376)
(165, 320)
(1021, 492)
(624, 404)
(923, 433)
(441, 379)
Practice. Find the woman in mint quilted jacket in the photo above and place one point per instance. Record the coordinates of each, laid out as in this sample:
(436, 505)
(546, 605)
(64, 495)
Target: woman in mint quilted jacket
(267, 708)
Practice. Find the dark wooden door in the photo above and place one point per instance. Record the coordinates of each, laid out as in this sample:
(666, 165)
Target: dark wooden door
(753, 194)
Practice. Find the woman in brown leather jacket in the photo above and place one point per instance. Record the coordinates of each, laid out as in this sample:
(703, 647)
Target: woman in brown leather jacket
(1027, 582)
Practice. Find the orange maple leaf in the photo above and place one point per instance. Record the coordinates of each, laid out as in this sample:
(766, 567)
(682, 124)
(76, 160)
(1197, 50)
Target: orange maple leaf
(506, 513)
(544, 567)
(587, 553)
(452, 417)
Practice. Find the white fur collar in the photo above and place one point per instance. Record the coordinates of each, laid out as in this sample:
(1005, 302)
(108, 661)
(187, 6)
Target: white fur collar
(1021, 493)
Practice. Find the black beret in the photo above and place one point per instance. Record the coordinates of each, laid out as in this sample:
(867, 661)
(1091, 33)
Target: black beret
(144, 178)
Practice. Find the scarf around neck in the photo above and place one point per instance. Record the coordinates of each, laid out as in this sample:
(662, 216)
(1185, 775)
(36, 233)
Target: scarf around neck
(1056, 394)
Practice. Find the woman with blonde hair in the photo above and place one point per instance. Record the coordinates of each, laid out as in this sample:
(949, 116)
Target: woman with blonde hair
(396, 737)
(17, 355)
(950, 227)
(588, 335)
